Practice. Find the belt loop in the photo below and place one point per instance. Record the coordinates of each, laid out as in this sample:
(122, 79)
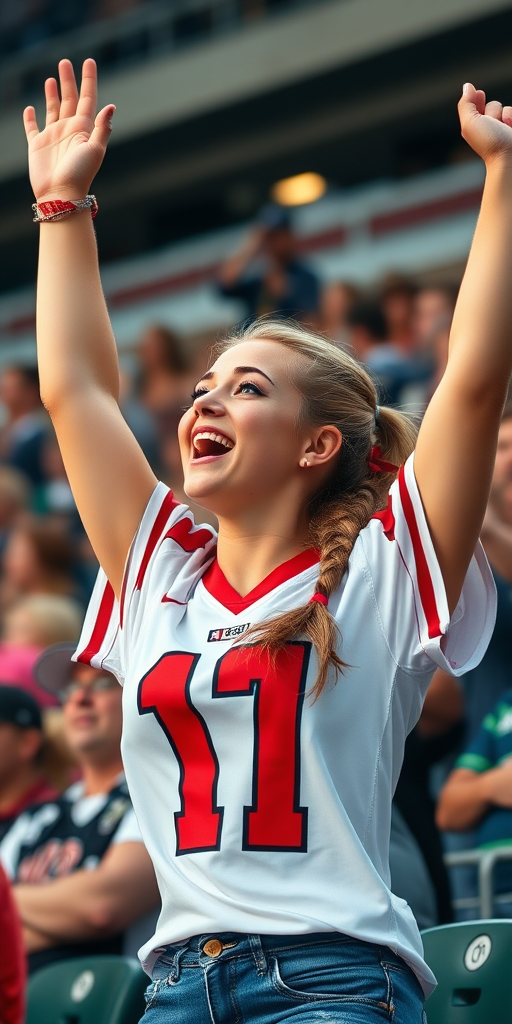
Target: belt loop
(174, 976)
(259, 954)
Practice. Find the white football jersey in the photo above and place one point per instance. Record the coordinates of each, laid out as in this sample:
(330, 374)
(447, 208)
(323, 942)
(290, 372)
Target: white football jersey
(265, 811)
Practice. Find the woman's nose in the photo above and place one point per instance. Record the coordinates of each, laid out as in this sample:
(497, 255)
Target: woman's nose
(208, 405)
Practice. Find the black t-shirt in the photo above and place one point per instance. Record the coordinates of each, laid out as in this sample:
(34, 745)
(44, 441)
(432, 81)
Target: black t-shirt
(63, 836)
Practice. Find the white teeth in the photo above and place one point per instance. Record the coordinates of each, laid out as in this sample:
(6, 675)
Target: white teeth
(208, 435)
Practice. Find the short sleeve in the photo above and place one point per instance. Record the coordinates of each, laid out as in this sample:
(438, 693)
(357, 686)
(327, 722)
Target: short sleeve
(168, 553)
(409, 591)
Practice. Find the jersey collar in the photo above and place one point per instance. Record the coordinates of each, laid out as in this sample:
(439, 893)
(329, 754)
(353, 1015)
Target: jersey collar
(217, 585)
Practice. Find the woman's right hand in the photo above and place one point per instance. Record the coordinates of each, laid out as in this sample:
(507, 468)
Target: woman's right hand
(66, 155)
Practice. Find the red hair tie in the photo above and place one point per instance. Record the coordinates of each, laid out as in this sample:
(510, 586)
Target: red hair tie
(379, 465)
(321, 598)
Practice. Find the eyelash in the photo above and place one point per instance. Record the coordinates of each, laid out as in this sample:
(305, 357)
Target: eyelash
(245, 384)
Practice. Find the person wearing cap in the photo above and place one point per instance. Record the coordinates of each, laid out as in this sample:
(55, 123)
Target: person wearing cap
(81, 874)
(22, 779)
(266, 274)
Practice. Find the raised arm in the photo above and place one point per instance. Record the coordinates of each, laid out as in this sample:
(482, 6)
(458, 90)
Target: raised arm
(457, 440)
(109, 475)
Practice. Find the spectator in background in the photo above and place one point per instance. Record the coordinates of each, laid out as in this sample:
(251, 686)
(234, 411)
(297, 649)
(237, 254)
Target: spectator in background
(12, 958)
(14, 499)
(477, 796)
(23, 781)
(397, 295)
(163, 382)
(266, 274)
(484, 685)
(53, 496)
(81, 873)
(432, 311)
(38, 559)
(368, 338)
(336, 301)
(31, 625)
(439, 343)
(22, 437)
(139, 419)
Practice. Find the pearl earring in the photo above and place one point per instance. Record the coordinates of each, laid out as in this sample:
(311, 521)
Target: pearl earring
(304, 463)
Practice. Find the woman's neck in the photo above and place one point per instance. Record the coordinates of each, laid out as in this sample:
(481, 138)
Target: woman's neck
(247, 553)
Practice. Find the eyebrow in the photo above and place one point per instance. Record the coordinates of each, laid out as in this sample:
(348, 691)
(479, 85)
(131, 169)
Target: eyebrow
(240, 369)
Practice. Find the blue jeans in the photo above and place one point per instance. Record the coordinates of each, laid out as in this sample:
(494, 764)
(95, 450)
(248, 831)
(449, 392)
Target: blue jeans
(323, 978)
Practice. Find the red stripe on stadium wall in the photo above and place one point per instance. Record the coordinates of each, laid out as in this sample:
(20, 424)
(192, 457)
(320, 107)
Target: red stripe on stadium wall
(165, 510)
(425, 584)
(396, 220)
(381, 224)
(100, 626)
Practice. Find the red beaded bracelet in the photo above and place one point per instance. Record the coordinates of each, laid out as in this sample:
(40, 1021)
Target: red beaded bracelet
(56, 209)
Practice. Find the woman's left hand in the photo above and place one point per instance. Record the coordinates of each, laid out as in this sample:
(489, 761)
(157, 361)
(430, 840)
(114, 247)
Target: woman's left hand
(486, 127)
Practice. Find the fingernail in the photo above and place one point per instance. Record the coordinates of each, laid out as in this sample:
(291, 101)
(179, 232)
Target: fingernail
(465, 88)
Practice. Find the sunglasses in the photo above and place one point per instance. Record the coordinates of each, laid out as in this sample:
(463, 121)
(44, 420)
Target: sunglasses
(99, 685)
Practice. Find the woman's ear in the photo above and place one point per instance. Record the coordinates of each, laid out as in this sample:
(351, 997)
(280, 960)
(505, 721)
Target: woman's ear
(322, 447)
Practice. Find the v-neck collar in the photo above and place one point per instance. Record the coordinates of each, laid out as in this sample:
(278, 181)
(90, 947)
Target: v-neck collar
(217, 585)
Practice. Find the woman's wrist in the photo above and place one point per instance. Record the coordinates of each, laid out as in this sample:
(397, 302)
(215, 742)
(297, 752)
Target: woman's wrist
(65, 194)
(498, 166)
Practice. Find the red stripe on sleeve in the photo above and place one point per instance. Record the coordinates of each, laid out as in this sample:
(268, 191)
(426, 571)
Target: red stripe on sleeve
(425, 584)
(165, 510)
(100, 626)
(189, 539)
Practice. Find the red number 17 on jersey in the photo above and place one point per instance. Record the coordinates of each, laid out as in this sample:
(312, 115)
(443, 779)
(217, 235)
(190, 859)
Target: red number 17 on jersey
(274, 820)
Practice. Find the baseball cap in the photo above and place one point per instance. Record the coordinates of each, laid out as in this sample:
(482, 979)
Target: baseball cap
(53, 667)
(272, 216)
(19, 708)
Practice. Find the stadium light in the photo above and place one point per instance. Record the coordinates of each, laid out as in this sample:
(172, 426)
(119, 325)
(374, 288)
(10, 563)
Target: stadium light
(300, 189)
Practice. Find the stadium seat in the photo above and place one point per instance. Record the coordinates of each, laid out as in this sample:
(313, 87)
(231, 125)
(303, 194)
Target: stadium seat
(472, 964)
(88, 990)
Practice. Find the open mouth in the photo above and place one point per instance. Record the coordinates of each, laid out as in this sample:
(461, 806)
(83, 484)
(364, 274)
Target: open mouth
(208, 444)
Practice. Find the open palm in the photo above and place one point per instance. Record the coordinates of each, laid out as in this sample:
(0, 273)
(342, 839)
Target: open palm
(66, 155)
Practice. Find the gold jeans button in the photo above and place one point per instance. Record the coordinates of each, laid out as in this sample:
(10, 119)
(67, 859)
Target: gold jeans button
(213, 947)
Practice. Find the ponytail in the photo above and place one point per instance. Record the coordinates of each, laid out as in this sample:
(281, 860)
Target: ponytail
(336, 390)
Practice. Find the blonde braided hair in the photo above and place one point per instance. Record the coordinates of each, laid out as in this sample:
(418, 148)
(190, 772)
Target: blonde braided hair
(336, 390)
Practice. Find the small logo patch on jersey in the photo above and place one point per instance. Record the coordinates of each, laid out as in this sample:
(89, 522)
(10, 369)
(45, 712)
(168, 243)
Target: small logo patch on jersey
(229, 633)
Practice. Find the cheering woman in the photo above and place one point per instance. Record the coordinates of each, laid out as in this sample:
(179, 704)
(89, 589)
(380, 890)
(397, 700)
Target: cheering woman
(271, 673)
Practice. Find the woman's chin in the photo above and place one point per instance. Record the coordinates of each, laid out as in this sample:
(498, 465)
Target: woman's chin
(200, 493)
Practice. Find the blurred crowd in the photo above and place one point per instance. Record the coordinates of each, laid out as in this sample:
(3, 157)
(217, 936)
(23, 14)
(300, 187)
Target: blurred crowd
(27, 23)
(75, 871)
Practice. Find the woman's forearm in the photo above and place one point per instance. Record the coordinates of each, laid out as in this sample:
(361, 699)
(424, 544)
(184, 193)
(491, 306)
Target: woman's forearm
(480, 340)
(76, 347)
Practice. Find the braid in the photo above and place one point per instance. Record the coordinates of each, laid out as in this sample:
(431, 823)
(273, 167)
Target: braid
(341, 392)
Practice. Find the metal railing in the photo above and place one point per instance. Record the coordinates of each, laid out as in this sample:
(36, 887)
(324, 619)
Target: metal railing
(485, 862)
(140, 34)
